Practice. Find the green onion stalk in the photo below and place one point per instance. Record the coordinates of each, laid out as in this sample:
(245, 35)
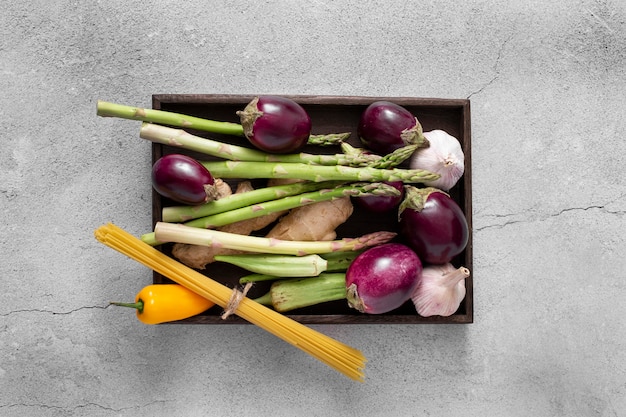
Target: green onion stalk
(179, 233)
(290, 294)
(182, 139)
(282, 204)
(107, 109)
(289, 265)
(236, 169)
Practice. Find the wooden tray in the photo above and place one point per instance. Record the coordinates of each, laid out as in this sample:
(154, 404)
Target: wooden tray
(329, 114)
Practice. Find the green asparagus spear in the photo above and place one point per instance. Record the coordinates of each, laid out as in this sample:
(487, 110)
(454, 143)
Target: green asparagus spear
(235, 169)
(106, 109)
(185, 213)
(172, 232)
(185, 140)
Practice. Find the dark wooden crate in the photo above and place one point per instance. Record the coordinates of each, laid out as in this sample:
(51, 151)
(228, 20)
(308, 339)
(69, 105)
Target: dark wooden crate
(330, 114)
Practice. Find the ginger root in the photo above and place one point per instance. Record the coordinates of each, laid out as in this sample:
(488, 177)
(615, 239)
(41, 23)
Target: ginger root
(316, 221)
(223, 189)
(196, 256)
(312, 222)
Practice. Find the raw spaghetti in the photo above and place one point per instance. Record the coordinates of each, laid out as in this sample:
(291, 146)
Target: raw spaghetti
(341, 357)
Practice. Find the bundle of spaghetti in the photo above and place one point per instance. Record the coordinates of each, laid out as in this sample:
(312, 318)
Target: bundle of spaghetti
(335, 354)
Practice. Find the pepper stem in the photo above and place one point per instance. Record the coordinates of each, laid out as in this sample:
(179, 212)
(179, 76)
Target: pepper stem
(138, 305)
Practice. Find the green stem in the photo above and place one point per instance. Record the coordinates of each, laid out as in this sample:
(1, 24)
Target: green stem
(291, 294)
(234, 169)
(266, 299)
(257, 278)
(138, 305)
(171, 232)
(106, 109)
(175, 214)
(339, 261)
(181, 139)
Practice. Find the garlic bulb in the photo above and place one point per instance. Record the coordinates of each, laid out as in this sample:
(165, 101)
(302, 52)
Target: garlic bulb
(440, 291)
(444, 156)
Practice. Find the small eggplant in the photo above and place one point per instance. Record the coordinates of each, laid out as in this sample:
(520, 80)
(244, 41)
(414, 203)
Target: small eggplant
(382, 203)
(385, 126)
(382, 278)
(275, 124)
(432, 224)
(183, 179)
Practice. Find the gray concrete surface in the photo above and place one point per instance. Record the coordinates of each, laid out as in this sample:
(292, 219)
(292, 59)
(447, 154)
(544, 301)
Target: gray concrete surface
(546, 82)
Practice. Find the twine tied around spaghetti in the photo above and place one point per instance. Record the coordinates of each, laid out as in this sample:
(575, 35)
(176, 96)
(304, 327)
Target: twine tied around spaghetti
(235, 299)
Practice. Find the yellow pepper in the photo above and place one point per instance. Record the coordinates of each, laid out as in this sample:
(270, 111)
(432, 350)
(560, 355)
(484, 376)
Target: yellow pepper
(160, 303)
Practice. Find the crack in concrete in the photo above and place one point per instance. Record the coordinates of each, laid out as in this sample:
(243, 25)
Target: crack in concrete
(565, 210)
(86, 405)
(138, 407)
(54, 313)
(499, 226)
(496, 70)
(544, 218)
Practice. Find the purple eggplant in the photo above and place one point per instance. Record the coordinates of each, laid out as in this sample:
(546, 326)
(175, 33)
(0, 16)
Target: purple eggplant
(432, 224)
(275, 124)
(183, 179)
(382, 203)
(382, 278)
(385, 126)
